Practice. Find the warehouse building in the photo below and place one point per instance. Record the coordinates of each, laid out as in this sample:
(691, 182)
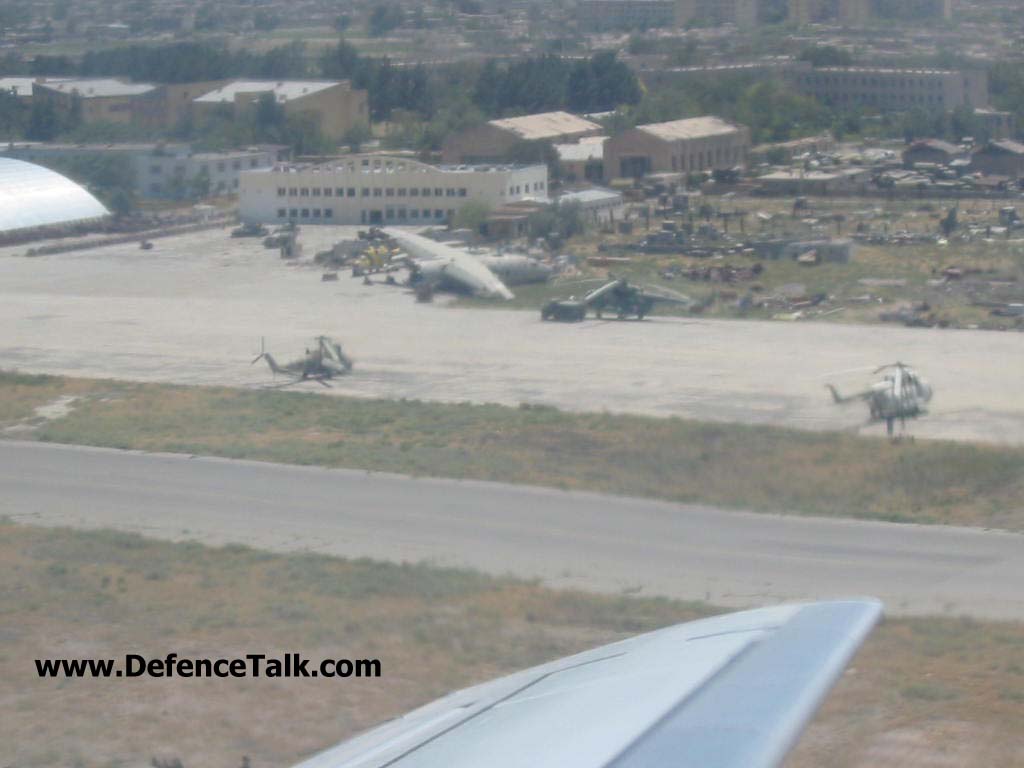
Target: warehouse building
(38, 201)
(334, 104)
(494, 140)
(681, 146)
(100, 100)
(999, 158)
(375, 189)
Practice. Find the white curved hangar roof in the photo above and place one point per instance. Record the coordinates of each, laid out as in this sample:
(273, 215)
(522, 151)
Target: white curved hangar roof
(32, 196)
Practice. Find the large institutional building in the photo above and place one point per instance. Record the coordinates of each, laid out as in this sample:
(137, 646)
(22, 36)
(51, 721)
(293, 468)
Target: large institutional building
(680, 146)
(376, 189)
(891, 88)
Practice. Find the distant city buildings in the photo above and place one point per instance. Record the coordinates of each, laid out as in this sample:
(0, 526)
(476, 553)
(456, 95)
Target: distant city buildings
(334, 105)
(891, 88)
(376, 189)
(861, 12)
(605, 15)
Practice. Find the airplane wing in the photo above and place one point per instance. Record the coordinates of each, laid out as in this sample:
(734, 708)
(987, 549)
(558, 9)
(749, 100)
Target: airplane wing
(732, 691)
(461, 266)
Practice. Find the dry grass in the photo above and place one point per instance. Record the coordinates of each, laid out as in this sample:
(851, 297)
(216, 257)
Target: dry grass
(920, 689)
(757, 468)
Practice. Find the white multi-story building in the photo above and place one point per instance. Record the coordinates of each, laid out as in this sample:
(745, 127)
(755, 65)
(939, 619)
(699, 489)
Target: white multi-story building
(375, 189)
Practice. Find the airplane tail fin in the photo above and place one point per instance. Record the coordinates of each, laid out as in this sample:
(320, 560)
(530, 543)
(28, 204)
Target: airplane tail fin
(836, 397)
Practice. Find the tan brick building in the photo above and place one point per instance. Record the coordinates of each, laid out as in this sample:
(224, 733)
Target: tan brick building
(104, 99)
(682, 146)
(336, 106)
(492, 141)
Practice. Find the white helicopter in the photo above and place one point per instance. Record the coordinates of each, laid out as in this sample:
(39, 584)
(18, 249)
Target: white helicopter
(901, 394)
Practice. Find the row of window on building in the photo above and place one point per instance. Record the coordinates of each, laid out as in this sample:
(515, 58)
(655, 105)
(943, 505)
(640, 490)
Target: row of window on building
(890, 98)
(390, 214)
(516, 189)
(370, 192)
(883, 82)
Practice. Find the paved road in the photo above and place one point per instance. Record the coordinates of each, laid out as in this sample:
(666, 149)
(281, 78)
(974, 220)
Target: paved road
(600, 543)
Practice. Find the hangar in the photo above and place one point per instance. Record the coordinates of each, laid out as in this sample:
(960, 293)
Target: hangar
(34, 198)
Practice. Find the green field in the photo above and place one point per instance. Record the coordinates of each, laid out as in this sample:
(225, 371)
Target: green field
(763, 469)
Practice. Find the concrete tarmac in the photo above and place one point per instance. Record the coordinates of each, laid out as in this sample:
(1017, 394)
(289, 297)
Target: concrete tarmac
(577, 540)
(193, 309)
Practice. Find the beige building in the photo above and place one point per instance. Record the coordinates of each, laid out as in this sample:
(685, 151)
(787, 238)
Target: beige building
(104, 100)
(493, 140)
(336, 106)
(683, 146)
(171, 104)
(380, 189)
(891, 89)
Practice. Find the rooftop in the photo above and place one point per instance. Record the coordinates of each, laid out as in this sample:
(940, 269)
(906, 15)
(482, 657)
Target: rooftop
(377, 164)
(22, 86)
(1007, 145)
(546, 125)
(283, 90)
(691, 128)
(589, 148)
(97, 88)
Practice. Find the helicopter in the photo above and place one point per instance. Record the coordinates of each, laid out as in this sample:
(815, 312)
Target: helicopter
(324, 361)
(618, 295)
(901, 394)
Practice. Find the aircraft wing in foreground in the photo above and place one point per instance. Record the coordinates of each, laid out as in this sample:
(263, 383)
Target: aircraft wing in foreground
(732, 691)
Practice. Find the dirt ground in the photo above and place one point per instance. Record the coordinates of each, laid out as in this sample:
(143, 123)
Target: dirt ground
(922, 693)
(194, 308)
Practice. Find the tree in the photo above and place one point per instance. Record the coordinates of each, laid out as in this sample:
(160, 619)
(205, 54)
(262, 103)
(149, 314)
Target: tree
(356, 136)
(384, 18)
(472, 216)
(44, 122)
(949, 222)
(199, 187)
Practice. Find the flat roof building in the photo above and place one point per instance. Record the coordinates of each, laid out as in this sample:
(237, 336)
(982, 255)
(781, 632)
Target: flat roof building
(380, 189)
(680, 146)
(493, 140)
(891, 88)
(102, 99)
(335, 105)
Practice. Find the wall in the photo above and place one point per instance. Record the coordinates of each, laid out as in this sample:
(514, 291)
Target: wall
(377, 194)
